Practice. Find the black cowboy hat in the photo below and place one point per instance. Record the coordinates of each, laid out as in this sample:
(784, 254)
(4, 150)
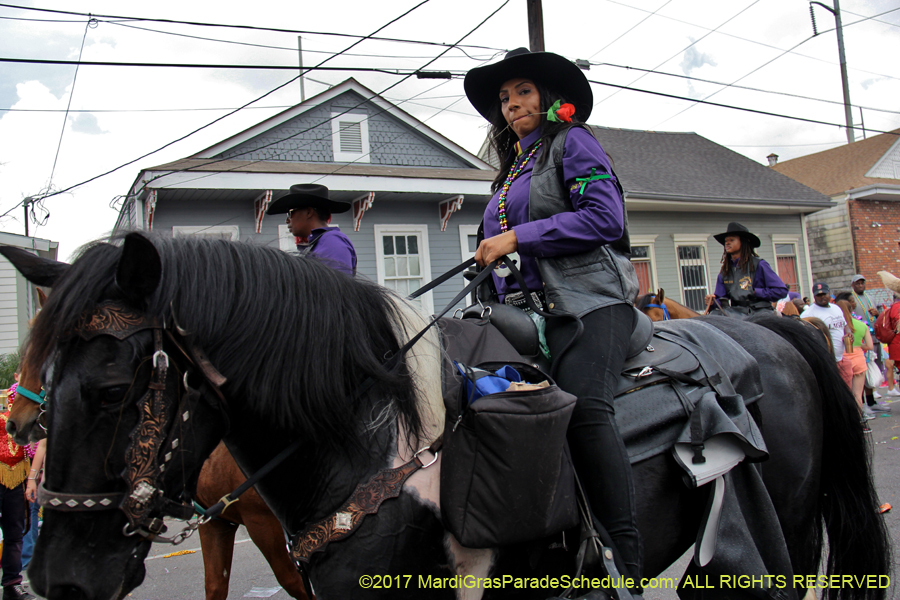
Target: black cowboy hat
(559, 74)
(740, 231)
(307, 194)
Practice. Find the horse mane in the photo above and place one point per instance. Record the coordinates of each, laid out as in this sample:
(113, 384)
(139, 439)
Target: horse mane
(294, 337)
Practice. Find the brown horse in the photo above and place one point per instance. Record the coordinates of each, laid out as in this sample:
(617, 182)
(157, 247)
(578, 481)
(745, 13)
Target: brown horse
(659, 308)
(219, 476)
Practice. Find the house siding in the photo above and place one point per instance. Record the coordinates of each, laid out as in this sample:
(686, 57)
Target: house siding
(444, 246)
(666, 225)
(831, 246)
(307, 138)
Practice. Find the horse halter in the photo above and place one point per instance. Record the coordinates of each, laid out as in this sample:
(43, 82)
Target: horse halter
(665, 310)
(144, 469)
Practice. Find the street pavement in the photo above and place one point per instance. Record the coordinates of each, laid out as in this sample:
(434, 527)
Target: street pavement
(180, 577)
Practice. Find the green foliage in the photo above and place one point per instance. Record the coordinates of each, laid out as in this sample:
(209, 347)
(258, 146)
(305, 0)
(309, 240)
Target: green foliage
(8, 365)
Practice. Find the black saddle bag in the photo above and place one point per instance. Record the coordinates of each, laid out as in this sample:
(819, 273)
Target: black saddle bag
(506, 472)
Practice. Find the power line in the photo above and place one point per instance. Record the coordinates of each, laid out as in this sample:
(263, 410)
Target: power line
(328, 120)
(101, 63)
(68, 105)
(630, 29)
(278, 141)
(695, 42)
(741, 108)
(742, 87)
(266, 46)
(765, 64)
(354, 44)
(737, 37)
(247, 27)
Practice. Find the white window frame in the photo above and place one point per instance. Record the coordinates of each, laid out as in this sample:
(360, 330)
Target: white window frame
(695, 239)
(464, 232)
(354, 157)
(286, 241)
(184, 231)
(424, 253)
(650, 241)
(795, 241)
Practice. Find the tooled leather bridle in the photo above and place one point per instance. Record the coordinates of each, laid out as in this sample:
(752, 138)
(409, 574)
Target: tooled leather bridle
(145, 459)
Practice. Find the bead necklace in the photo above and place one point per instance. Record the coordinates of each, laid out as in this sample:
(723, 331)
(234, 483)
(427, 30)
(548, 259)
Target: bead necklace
(513, 173)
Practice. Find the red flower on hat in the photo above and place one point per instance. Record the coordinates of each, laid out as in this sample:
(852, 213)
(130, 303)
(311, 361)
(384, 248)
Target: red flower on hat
(565, 112)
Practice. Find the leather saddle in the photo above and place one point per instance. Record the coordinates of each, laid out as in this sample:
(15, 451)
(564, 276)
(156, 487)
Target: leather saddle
(649, 360)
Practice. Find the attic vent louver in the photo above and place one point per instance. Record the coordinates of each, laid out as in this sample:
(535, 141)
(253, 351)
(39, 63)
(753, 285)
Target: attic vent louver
(351, 137)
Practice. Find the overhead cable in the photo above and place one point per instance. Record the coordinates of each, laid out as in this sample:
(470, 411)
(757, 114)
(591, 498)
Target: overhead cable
(247, 27)
(741, 108)
(272, 91)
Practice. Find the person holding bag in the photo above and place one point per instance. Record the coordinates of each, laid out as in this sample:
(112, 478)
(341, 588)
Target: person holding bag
(559, 211)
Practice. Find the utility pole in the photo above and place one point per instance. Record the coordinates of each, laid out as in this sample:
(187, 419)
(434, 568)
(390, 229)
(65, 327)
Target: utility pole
(300, 50)
(535, 26)
(25, 206)
(836, 11)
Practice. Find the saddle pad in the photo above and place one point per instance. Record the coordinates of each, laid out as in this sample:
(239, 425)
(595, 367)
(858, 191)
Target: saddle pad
(652, 417)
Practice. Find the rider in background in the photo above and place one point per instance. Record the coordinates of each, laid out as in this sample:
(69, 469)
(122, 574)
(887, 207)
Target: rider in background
(746, 280)
(309, 210)
(557, 202)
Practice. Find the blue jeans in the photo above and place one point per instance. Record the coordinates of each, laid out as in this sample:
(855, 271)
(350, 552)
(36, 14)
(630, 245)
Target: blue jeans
(31, 535)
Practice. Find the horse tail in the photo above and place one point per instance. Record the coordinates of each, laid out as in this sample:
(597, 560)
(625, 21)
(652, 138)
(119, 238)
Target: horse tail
(857, 537)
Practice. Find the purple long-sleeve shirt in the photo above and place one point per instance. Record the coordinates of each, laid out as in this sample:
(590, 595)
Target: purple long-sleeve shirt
(766, 284)
(597, 219)
(334, 248)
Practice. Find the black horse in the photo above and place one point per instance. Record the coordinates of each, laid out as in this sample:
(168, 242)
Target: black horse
(294, 339)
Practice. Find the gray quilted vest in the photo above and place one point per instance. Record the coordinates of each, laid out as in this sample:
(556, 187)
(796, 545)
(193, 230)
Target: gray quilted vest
(578, 283)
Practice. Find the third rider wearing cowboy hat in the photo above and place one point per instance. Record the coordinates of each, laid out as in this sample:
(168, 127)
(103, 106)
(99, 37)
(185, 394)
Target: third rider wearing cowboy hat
(309, 209)
(745, 279)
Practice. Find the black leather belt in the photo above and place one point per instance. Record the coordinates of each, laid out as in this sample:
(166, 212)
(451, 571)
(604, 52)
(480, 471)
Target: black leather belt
(517, 299)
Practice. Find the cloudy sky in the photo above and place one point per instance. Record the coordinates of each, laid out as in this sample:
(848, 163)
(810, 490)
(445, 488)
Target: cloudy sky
(764, 48)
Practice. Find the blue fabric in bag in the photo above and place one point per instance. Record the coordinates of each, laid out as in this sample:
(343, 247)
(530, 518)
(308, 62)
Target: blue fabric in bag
(482, 383)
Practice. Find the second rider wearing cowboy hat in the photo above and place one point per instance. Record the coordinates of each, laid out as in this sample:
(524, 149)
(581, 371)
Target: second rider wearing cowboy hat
(309, 209)
(745, 279)
(557, 202)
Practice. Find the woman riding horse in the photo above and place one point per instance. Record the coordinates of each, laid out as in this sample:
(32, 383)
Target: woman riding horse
(745, 279)
(558, 203)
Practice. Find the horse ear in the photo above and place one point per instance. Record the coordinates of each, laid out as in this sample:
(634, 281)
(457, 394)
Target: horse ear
(140, 268)
(660, 296)
(42, 297)
(37, 270)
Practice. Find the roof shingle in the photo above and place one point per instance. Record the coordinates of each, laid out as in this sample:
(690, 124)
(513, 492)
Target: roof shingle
(691, 166)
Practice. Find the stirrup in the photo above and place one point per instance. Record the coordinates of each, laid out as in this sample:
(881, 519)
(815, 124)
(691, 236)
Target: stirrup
(592, 553)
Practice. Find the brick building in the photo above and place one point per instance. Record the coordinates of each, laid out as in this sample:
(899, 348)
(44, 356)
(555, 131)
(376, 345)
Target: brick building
(861, 234)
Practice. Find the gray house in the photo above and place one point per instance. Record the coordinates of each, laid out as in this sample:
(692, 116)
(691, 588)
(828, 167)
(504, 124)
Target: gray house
(18, 298)
(418, 197)
(681, 189)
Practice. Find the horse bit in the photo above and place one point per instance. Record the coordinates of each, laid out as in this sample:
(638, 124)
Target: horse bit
(144, 470)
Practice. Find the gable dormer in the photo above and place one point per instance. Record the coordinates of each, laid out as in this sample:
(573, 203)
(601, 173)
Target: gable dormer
(345, 124)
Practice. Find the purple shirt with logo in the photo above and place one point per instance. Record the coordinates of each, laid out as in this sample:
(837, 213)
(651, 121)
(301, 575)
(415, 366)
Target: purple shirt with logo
(766, 284)
(597, 219)
(334, 249)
